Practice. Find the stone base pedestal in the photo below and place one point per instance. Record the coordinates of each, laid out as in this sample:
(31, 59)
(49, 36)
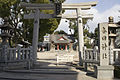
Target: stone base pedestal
(104, 72)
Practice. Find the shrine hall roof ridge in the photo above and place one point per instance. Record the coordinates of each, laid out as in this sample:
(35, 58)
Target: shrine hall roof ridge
(55, 39)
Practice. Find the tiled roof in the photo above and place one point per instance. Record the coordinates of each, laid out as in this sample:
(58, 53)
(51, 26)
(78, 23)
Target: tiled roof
(56, 39)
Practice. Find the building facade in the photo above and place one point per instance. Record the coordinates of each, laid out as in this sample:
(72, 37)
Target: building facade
(56, 42)
(60, 42)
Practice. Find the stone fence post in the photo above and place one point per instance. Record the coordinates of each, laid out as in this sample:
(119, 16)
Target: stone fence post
(31, 61)
(18, 51)
(96, 53)
(4, 53)
(3, 58)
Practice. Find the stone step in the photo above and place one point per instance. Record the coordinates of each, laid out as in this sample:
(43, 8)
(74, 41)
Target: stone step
(63, 65)
(36, 76)
(44, 71)
(53, 67)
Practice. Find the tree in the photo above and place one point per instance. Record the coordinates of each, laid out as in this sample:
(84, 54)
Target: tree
(60, 32)
(11, 9)
(23, 29)
(91, 35)
(75, 27)
(5, 7)
(86, 33)
(96, 36)
(47, 25)
(117, 40)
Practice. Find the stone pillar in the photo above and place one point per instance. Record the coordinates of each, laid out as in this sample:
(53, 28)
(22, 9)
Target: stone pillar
(3, 57)
(71, 46)
(57, 46)
(80, 36)
(111, 51)
(104, 70)
(66, 47)
(52, 49)
(119, 57)
(35, 33)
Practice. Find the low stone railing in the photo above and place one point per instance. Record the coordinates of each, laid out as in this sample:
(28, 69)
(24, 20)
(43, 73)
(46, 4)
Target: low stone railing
(115, 56)
(15, 56)
(91, 55)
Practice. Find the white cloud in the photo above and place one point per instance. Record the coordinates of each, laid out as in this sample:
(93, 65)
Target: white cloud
(98, 18)
(103, 17)
(63, 25)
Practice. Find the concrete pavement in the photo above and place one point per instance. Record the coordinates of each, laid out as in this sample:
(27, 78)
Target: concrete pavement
(46, 69)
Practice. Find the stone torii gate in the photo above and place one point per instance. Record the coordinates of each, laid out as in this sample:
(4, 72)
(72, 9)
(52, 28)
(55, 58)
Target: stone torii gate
(37, 15)
(80, 30)
(79, 16)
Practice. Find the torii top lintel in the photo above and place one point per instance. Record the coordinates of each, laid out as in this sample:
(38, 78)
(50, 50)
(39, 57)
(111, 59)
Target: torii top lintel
(83, 6)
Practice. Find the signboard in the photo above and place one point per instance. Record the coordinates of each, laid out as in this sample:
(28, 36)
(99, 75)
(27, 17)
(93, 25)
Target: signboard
(64, 58)
(103, 44)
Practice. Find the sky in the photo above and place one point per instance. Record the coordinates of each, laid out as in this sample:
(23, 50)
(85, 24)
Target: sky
(101, 12)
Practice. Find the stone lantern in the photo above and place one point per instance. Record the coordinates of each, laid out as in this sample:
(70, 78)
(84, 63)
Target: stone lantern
(112, 27)
(5, 32)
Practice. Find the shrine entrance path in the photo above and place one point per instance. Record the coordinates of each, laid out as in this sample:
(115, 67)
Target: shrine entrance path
(45, 70)
(35, 76)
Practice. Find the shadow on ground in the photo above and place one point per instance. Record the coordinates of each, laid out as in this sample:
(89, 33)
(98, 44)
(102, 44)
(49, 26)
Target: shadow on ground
(41, 71)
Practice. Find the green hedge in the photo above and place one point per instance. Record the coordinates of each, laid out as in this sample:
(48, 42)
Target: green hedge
(117, 71)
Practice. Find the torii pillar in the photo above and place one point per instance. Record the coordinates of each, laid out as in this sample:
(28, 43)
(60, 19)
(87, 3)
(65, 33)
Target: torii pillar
(80, 35)
(35, 33)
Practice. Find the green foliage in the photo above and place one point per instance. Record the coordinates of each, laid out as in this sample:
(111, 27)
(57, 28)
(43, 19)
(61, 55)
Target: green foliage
(39, 1)
(5, 7)
(86, 33)
(117, 40)
(96, 33)
(11, 9)
(60, 32)
(92, 35)
(84, 21)
(15, 13)
(117, 71)
(60, 1)
(47, 26)
(74, 26)
(87, 44)
(46, 1)
(96, 36)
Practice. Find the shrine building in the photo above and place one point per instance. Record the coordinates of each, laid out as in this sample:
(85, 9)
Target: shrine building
(60, 42)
